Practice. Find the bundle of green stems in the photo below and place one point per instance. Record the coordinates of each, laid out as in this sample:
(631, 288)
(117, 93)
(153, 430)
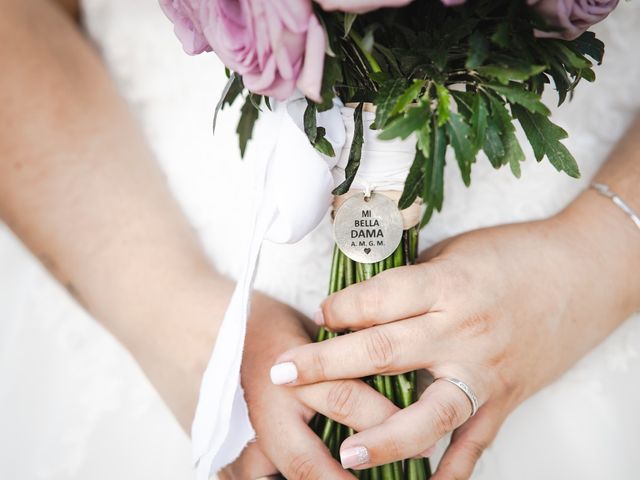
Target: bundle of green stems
(400, 389)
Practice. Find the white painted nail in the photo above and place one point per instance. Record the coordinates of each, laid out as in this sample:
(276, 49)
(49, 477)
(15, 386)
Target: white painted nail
(354, 457)
(284, 373)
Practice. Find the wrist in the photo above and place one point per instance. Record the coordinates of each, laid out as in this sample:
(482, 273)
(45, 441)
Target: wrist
(173, 335)
(606, 242)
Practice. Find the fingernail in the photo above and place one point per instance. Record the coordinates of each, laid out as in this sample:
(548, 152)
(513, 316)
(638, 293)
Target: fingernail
(428, 452)
(283, 373)
(318, 318)
(354, 456)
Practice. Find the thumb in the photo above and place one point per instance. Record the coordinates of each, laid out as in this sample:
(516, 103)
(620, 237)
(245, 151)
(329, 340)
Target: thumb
(252, 463)
(468, 443)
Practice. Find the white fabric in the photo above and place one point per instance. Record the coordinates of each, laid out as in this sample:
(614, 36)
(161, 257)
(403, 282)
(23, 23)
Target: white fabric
(385, 164)
(73, 404)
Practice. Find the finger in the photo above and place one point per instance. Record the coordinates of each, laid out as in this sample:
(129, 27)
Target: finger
(350, 402)
(468, 443)
(385, 349)
(299, 454)
(392, 295)
(442, 408)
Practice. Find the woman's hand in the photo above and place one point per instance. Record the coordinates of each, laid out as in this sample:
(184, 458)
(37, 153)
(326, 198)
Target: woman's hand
(506, 310)
(280, 416)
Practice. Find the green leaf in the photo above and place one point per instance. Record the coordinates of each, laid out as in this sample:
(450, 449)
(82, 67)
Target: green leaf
(517, 94)
(388, 96)
(331, 77)
(349, 18)
(545, 138)
(428, 213)
(569, 57)
(232, 89)
(389, 57)
(561, 80)
(459, 133)
(256, 100)
(537, 130)
(407, 124)
(561, 158)
(479, 117)
(505, 74)
(355, 154)
(408, 96)
(493, 145)
(501, 114)
(309, 122)
(433, 183)
(502, 35)
(588, 44)
(248, 116)
(424, 137)
(588, 74)
(534, 133)
(464, 100)
(414, 184)
(513, 153)
(478, 50)
(438, 151)
(322, 144)
(315, 134)
(444, 101)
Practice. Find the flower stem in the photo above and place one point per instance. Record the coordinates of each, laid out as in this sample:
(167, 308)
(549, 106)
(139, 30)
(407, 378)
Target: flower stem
(400, 389)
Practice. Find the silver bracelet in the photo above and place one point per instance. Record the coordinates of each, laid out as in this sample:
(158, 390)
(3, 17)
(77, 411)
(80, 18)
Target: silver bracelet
(603, 189)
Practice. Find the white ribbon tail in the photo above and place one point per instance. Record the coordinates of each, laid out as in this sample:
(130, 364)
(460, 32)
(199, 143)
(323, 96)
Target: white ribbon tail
(293, 194)
(221, 418)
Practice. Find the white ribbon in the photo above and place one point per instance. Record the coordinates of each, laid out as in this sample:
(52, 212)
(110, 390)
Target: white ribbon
(384, 164)
(293, 185)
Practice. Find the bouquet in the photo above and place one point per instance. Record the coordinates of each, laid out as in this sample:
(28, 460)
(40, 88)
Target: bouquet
(415, 83)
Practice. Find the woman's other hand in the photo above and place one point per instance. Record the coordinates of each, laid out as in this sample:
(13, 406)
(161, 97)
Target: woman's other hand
(506, 310)
(280, 416)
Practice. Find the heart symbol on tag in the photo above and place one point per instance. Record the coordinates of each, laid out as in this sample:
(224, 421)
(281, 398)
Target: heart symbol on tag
(367, 251)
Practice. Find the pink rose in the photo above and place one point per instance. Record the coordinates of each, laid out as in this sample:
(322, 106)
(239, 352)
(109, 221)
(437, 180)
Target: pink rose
(573, 17)
(276, 46)
(183, 14)
(362, 6)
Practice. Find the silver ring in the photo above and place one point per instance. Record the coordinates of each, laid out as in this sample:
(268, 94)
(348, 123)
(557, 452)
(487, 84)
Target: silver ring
(466, 389)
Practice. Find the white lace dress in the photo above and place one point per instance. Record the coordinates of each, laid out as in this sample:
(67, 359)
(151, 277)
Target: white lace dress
(73, 404)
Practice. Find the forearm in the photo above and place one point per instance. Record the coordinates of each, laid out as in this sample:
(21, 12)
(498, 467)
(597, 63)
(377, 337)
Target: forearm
(622, 171)
(605, 238)
(82, 191)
